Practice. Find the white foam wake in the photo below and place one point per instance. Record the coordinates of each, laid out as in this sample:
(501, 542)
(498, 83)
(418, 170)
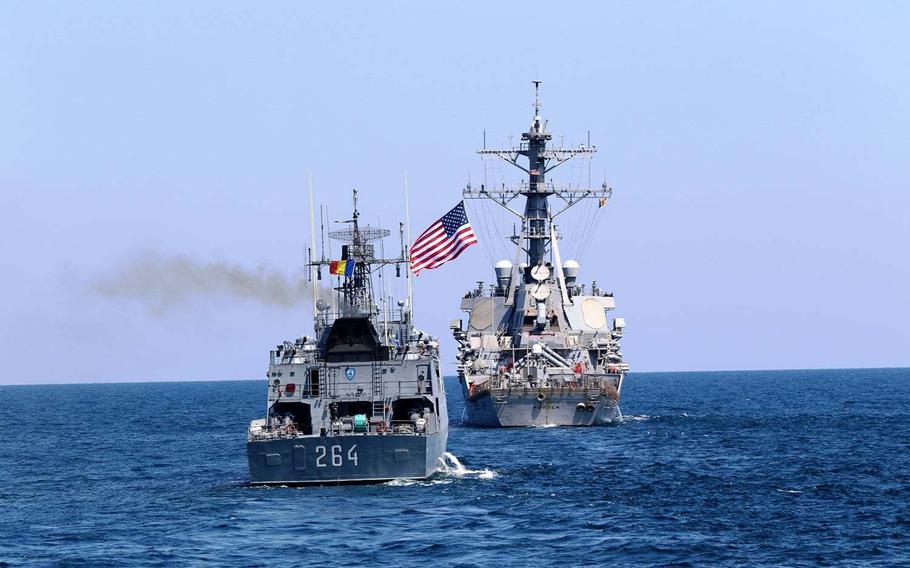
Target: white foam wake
(450, 465)
(451, 469)
(639, 418)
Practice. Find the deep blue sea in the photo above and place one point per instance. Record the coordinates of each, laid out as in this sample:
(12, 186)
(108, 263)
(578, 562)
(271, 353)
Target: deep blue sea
(797, 468)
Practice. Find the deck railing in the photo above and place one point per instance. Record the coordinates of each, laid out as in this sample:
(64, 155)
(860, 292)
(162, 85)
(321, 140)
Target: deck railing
(386, 428)
(341, 389)
(590, 385)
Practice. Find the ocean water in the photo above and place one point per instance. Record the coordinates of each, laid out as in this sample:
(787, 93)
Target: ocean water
(797, 468)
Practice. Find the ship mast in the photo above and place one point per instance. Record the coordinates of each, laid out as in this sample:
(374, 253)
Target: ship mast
(357, 290)
(537, 219)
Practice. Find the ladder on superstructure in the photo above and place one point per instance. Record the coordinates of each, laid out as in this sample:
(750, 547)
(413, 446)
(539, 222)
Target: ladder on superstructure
(378, 405)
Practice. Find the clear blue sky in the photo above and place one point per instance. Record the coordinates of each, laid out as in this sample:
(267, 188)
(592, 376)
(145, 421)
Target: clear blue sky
(758, 151)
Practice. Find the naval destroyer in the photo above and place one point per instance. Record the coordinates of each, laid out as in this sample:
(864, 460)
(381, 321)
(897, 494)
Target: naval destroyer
(362, 399)
(538, 347)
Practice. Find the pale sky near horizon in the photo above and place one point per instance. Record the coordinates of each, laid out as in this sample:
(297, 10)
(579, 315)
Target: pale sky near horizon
(758, 153)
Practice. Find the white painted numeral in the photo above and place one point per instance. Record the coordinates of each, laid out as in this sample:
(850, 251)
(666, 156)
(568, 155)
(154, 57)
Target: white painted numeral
(337, 455)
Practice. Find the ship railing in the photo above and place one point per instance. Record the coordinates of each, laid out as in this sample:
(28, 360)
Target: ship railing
(395, 316)
(362, 390)
(334, 387)
(589, 384)
(296, 391)
(385, 428)
(391, 427)
(574, 190)
(410, 427)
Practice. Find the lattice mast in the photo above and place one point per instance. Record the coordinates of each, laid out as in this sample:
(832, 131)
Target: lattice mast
(537, 219)
(356, 291)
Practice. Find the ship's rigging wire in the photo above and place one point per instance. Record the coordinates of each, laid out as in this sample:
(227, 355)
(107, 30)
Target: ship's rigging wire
(494, 214)
(476, 211)
(485, 213)
(594, 231)
(584, 220)
(583, 215)
(485, 225)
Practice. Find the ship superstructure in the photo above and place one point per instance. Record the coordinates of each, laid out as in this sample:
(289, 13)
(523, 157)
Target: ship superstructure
(362, 400)
(538, 347)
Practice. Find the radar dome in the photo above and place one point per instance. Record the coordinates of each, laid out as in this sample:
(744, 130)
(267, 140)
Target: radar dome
(502, 268)
(570, 271)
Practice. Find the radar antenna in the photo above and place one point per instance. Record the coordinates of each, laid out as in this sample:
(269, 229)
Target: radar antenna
(537, 218)
(356, 285)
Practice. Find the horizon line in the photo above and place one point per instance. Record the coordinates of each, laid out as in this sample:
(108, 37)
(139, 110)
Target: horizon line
(149, 381)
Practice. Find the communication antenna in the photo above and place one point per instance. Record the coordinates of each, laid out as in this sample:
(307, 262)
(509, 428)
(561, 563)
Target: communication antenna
(322, 229)
(536, 236)
(589, 161)
(407, 218)
(312, 245)
(334, 295)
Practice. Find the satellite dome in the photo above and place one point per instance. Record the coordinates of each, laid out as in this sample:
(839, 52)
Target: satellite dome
(570, 269)
(502, 268)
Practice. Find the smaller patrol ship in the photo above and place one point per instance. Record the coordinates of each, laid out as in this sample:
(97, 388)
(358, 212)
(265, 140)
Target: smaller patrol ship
(362, 400)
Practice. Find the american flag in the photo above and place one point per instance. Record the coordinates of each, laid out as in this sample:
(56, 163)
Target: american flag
(443, 241)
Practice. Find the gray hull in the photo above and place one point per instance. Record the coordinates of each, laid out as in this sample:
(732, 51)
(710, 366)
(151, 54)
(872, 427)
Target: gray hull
(518, 409)
(345, 459)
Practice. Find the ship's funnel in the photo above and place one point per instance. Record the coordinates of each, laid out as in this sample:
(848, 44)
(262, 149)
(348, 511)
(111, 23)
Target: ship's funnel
(570, 272)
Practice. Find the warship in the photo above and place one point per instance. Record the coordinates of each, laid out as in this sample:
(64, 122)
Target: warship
(362, 400)
(538, 348)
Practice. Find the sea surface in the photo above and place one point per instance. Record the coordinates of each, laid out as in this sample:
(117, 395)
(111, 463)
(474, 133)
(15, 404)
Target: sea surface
(795, 468)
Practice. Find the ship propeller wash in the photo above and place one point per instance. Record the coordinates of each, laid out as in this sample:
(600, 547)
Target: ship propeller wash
(362, 399)
(538, 349)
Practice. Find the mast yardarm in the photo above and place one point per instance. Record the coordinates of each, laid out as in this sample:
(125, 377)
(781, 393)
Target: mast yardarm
(537, 217)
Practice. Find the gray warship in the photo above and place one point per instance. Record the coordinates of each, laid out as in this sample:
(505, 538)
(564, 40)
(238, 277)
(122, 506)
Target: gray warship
(362, 400)
(538, 348)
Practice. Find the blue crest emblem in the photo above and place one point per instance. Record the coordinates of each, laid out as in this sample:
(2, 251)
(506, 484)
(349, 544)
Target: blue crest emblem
(349, 373)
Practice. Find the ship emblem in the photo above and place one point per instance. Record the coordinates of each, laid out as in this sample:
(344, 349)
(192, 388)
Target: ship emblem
(349, 373)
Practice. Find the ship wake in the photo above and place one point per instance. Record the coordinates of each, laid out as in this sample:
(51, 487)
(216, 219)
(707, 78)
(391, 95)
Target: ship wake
(451, 466)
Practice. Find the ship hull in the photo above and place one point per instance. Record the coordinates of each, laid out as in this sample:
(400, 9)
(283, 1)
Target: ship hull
(524, 408)
(324, 460)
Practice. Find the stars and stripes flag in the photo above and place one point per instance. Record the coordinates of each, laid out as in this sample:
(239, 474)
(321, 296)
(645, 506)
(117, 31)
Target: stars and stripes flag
(443, 241)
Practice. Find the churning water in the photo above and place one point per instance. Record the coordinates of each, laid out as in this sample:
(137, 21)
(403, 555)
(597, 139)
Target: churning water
(792, 468)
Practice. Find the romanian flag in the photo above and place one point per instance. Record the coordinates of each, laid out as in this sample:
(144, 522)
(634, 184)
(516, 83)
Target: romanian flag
(342, 267)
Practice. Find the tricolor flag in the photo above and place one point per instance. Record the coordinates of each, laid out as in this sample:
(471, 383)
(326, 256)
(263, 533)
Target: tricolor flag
(342, 267)
(443, 241)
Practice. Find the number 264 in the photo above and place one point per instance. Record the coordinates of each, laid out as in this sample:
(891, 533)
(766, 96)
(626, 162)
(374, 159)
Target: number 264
(336, 456)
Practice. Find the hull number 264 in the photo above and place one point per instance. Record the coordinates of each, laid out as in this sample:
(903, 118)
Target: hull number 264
(334, 456)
